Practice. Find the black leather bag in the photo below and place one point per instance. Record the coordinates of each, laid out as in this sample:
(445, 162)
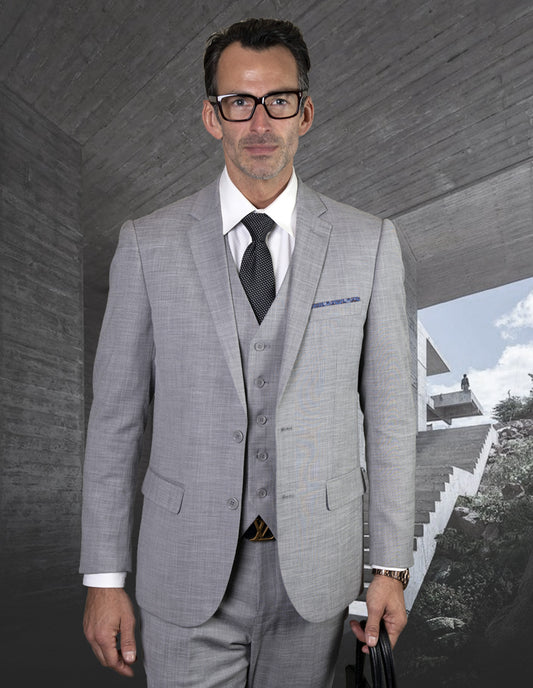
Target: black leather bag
(381, 664)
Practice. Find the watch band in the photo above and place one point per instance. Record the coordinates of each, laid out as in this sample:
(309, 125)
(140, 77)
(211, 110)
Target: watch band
(402, 575)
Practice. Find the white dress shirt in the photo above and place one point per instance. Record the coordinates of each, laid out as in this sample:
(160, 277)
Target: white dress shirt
(282, 210)
(280, 241)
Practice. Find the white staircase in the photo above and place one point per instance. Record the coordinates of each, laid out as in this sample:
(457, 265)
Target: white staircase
(450, 463)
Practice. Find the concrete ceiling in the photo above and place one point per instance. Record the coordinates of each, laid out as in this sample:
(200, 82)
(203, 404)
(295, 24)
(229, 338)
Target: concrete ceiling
(424, 112)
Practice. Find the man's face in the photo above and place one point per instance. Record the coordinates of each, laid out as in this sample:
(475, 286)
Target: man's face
(261, 148)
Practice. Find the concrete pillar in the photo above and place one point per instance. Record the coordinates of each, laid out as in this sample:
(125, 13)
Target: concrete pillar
(412, 310)
(422, 377)
(41, 371)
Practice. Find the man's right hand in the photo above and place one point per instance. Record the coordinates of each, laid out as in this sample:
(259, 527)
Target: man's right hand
(108, 613)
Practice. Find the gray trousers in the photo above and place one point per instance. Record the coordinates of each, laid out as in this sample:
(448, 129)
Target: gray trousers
(256, 639)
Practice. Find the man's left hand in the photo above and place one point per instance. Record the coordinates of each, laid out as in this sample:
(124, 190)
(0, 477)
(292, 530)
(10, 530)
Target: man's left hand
(384, 600)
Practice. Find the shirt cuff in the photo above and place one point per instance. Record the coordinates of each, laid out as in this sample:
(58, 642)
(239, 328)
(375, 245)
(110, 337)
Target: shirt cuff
(389, 568)
(104, 580)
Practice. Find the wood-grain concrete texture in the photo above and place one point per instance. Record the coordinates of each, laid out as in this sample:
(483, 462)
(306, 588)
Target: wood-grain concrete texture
(41, 358)
(423, 110)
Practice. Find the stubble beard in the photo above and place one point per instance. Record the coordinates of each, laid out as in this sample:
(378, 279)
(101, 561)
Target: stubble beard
(265, 167)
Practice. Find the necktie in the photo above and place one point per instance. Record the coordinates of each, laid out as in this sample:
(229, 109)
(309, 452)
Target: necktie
(257, 272)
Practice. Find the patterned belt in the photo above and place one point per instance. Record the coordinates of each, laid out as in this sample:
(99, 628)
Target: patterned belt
(259, 531)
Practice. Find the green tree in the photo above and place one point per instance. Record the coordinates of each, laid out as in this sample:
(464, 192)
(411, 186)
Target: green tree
(514, 407)
(508, 409)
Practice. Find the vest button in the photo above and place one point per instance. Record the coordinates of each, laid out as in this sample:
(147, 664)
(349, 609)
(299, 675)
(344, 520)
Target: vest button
(259, 346)
(232, 503)
(238, 436)
(262, 455)
(262, 420)
(261, 492)
(260, 382)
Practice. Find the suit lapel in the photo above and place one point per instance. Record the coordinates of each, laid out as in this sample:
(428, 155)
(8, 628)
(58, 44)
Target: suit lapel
(208, 249)
(209, 253)
(312, 238)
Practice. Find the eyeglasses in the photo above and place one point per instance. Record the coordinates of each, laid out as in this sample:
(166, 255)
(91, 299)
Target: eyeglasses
(240, 107)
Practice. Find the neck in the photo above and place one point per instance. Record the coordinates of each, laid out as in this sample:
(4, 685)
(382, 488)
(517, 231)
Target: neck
(261, 192)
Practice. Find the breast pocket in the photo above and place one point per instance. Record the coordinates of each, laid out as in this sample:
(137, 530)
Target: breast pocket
(336, 308)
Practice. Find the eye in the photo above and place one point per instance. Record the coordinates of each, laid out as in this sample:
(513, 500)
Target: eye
(239, 101)
(278, 100)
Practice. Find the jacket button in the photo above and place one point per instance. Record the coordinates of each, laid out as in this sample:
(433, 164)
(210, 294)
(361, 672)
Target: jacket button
(260, 382)
(232, 503)
(238, 436)
(262, 420)
(259, 346)
(261, 492)
(262, 455)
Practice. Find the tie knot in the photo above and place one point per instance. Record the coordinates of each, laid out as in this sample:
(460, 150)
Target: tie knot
(259, 225)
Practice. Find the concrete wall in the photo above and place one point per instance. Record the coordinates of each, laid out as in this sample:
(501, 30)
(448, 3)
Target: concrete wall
(412, 309)
(422, 377)
(41, 362)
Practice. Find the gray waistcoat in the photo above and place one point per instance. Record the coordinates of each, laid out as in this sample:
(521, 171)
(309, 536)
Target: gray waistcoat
(261, 351)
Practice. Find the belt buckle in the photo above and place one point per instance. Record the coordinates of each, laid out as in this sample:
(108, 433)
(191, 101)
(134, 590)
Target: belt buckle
(262, 531)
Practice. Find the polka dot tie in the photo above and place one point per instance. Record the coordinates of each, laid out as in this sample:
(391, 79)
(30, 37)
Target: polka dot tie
(257, 272)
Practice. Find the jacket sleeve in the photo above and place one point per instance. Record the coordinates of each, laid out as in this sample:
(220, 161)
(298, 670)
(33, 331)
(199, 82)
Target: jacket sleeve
(122, 383)
(387, 403)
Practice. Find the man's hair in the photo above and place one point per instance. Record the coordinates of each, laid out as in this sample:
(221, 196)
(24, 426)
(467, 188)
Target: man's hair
(258, 34)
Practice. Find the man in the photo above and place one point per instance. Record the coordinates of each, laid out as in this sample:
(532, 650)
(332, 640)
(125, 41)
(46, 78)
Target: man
(255, 354)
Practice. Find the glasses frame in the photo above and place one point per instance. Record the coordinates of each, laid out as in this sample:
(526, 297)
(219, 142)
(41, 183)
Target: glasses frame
(216, 100)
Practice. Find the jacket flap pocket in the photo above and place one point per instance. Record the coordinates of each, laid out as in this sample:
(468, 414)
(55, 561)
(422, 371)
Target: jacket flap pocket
(343, 489)
(164, 493)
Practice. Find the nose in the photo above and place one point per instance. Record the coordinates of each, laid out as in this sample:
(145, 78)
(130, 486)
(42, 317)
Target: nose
(260, 120)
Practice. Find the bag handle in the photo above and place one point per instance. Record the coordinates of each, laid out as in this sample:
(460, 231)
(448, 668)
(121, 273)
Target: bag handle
(381, 661)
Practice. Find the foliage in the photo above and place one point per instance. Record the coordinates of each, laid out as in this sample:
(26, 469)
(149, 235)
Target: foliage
(510, 409)
(514, 407)
(516, 465)
(440, 599)
(474, 577)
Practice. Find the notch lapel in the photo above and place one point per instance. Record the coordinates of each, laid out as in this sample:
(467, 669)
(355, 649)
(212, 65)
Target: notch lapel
(312, 238)
(209, 253)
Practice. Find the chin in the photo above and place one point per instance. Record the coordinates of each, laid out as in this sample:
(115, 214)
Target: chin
(263, 173)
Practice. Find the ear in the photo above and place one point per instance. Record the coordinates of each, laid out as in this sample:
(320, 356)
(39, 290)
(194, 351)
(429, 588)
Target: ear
(307, 116)
(211, 121)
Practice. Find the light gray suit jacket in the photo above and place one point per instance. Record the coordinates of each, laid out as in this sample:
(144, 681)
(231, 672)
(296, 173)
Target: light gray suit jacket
(169, 333)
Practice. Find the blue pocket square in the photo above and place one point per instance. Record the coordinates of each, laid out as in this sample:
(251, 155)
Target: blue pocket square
(336, 302)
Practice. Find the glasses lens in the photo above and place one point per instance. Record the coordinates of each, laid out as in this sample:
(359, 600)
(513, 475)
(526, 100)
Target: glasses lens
(238, 108)
(282, 105)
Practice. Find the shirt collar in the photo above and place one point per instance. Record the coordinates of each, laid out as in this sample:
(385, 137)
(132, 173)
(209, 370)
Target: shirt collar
(234, 205)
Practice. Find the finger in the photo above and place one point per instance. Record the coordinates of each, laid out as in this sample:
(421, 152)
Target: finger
(358, 630)
(128, 647)
(359, 633)
(98, 652)
(112, 659)
(395, 623)
(372, 628)
(90, 634)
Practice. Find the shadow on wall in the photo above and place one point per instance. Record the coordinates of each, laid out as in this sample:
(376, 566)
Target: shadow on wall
(42, 640)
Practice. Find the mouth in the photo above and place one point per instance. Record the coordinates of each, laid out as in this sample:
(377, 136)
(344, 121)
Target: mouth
(260, 149)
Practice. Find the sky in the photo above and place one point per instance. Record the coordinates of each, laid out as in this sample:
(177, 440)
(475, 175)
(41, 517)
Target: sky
(488, 336)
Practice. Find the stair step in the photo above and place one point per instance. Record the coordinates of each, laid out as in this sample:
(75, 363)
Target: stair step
(438, 452)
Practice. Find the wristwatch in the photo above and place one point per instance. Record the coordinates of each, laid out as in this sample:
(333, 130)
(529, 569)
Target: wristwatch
(402, 575)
